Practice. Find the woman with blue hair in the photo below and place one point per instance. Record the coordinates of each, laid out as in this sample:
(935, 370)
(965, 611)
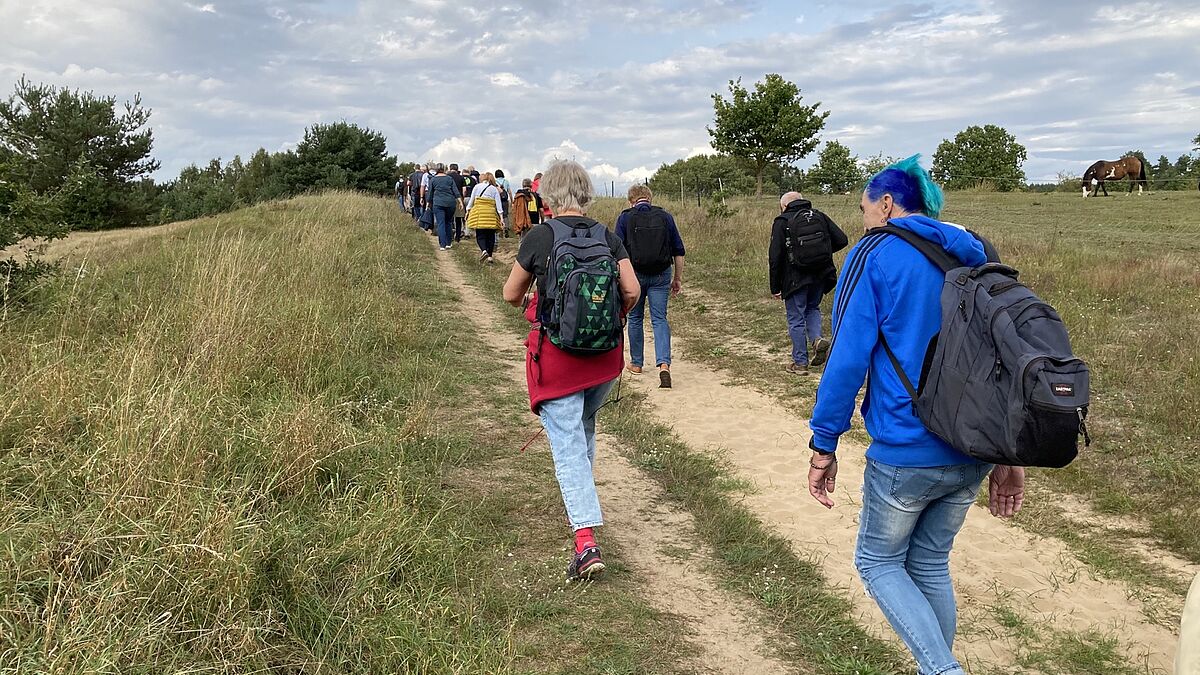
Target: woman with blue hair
(916, 488)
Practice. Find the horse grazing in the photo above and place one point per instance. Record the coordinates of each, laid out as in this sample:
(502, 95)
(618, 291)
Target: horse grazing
(1127, 167)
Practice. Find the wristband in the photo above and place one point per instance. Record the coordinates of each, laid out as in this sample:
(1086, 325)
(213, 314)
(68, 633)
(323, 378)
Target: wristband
(819, 451)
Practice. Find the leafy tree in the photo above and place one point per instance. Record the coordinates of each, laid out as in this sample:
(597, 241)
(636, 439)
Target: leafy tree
(405, 169)
(264, 177)
(1196, 142)
(1165, 177)
(198, 192)
(78, 135)
(31, 219)
(342, 155)
(980, 155)
(704, 174)
(836, 170)
(767, 126)
(876, 163)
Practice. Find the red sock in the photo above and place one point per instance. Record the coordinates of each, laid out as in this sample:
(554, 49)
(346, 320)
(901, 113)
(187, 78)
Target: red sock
(584, 539)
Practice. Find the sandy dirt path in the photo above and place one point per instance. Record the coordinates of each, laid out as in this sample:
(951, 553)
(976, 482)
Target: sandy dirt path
(993, 563)
(649, 531)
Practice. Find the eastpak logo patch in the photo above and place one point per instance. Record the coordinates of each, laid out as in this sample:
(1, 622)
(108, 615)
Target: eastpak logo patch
(1063, 389)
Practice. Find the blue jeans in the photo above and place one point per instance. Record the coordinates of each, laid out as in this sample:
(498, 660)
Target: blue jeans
(656, 287)
(570, 424)
(910, 516)
(417, 210)
(443, 219)
(804, 320)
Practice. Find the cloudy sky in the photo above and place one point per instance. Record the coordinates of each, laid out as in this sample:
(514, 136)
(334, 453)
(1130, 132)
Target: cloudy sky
(622, 85)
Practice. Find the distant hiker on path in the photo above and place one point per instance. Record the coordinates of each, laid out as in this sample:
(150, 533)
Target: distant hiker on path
(485, 214)
(444, 198)
(916, 489)
(570, 370)
(656, 252)
(414, 191)
(505, 197)
(803, 241)
(460, 212)
(526, 208)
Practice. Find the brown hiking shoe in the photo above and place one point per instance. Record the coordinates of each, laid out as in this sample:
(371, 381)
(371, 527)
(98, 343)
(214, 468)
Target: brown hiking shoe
(820, 352)
(664, 378)
(636, 370)
(797, 369)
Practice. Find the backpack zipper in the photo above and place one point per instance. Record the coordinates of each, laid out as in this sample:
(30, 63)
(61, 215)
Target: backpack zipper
(1081, 411)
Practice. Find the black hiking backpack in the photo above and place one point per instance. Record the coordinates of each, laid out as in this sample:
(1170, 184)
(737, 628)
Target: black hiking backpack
(807, 240)
(648, 239)
(999, 381)
(581, 313)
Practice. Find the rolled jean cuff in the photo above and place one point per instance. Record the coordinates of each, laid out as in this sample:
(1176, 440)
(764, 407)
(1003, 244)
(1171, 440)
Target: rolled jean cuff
(580, 526)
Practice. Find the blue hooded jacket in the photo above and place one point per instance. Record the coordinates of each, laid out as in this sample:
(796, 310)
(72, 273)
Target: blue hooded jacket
(887, 285)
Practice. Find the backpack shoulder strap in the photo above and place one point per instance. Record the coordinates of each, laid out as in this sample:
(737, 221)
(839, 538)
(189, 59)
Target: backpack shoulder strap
(560, 229)
(993, 255)
(597, 230)
(934, 253)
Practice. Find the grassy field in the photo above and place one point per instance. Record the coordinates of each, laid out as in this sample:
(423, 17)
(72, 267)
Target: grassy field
(252, 443)
(255, 443)
(1125, 274)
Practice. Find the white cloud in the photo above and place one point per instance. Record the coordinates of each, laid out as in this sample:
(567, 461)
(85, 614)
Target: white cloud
(508, 80)
(623, 85)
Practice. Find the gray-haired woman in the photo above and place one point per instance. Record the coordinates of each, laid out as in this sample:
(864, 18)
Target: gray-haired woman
(565, 389)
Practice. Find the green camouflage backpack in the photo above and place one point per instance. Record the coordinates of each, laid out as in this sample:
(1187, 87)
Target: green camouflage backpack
(581, 313)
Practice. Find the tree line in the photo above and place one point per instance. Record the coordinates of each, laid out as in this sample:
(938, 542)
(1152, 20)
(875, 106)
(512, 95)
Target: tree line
(759, 134)
(72, 160)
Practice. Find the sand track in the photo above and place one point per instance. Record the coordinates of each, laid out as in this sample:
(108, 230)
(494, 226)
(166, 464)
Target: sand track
(649, 530)
(993, 563)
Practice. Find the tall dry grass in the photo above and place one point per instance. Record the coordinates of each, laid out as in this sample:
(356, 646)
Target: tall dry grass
(220, 452)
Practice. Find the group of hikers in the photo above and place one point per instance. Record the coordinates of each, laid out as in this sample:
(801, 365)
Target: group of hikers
(448, 202)
(578, 282)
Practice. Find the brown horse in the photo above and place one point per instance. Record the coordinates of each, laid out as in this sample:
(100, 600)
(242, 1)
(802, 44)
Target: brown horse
(1127, 167)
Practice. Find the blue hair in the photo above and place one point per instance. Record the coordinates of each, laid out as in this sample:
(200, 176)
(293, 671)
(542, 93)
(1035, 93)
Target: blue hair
(909, 185)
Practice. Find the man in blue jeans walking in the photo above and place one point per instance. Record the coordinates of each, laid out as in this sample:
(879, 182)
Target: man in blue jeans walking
(803, 241)
(444, 197)
(917, 490)
(656, 251)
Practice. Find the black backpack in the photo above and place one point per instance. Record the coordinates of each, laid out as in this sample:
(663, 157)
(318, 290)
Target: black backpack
(581, 312)
(806, 238)
(648, 239)
(999, 381)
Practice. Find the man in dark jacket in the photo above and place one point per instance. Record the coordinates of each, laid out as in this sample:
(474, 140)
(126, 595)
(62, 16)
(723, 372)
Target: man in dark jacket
(414, 191)
(803, 241)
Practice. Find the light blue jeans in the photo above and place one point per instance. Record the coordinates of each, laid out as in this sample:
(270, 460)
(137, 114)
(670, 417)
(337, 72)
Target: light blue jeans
(804, 320)
(656, 288)
(910, 517)
(570, 424)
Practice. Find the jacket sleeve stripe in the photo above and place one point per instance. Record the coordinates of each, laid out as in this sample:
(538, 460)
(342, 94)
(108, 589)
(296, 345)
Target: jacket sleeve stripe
(853, 274)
